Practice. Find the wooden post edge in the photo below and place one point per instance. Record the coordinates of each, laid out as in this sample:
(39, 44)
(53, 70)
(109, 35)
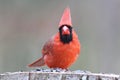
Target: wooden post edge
(38, 75)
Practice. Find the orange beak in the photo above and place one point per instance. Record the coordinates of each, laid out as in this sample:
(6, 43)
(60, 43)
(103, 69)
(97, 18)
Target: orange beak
(66, 18)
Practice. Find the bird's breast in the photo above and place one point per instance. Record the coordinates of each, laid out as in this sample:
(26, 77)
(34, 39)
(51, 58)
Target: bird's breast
(71, 48)
(63, 55)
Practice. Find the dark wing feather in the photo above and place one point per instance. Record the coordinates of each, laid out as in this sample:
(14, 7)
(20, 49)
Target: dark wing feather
(47, 47)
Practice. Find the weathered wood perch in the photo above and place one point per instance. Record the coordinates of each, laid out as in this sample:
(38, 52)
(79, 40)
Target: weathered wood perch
(58, 75)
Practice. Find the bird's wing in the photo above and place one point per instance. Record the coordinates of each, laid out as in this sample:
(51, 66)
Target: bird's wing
(48, 47)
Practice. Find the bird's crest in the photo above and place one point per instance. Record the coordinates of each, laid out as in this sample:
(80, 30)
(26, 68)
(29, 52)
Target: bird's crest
(66, 18)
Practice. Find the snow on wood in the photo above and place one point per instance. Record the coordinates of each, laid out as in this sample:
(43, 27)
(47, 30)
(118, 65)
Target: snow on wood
(58, 75)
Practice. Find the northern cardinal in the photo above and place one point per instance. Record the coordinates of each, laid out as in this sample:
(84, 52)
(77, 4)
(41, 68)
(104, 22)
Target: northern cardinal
(63, 48)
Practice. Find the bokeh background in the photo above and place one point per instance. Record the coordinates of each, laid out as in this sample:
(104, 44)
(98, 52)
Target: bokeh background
(25, 25)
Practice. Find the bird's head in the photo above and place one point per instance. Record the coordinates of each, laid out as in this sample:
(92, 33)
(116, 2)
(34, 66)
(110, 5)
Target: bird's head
(65, 27)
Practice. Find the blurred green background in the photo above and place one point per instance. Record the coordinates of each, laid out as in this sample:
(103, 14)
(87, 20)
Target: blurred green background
(25, 25)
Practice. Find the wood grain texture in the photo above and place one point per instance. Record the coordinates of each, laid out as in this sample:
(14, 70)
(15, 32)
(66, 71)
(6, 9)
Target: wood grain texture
(38, 75)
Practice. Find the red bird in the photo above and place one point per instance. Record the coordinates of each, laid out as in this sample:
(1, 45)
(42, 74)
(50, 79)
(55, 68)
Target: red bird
(63, 48)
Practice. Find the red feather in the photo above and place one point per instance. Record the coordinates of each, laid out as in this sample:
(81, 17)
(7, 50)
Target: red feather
(55, 53)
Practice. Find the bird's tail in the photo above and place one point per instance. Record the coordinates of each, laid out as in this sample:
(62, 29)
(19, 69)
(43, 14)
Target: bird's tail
(38, 63)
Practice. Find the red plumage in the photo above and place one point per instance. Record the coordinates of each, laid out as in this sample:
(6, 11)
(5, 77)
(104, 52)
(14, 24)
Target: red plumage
(63, 48)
